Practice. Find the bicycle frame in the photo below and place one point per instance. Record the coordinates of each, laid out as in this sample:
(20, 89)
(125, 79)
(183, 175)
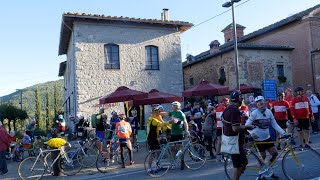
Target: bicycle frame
(185, 145)
(46, 166)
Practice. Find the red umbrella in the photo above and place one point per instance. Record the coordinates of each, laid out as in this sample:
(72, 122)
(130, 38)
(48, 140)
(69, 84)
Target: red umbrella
(205, 89)
(246, 88)
(156, 97)
(122, 94)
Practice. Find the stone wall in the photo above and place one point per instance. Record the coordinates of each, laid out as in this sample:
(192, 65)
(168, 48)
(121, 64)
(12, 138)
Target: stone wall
(254, 66)
(94, 81)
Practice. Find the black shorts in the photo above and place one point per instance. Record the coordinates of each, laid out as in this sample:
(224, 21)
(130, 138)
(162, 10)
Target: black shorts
(264, 147)
(219, 132)
(153, 145)
(176, 138)
(303, 124)
(239, 160)
(282, 123)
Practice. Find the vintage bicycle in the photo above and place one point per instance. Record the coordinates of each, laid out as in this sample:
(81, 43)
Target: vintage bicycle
(297, 162)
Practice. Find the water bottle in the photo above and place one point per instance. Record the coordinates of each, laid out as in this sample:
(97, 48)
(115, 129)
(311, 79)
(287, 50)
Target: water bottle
(178, 154)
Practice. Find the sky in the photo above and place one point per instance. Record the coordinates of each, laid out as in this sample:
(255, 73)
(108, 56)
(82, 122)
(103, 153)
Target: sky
(30, 29)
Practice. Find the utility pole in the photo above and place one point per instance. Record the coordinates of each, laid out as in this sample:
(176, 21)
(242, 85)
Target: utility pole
(20, 98)
(235, 43)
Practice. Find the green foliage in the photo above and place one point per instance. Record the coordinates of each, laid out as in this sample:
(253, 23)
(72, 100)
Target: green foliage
(37, 113)
(12, 114)
(282, 79)
(222, 80)
(48, 109)
(39, 132)
(56, 97)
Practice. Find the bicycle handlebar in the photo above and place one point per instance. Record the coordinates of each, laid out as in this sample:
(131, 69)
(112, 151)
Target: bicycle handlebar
(286, 137)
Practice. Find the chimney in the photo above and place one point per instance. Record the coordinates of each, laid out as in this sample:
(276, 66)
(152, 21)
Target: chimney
(214, 46)
(190, 58)
(165, 14)
(228, 32)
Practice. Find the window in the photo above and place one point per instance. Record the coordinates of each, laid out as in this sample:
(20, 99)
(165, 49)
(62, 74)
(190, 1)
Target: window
(191, 81)
(152, 58)
(280, 70)
(111, 52)
(222, 73)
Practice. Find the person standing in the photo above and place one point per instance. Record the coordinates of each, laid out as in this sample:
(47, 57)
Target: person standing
(4, 145)
(301, 113)
(71, 126)
(208, 128)
(288, 98)
(197, 115)
(123, 131)
(222, 106)
(30, 129)
(281, 109)
(232, 127)
(61, 123)
(315, 104)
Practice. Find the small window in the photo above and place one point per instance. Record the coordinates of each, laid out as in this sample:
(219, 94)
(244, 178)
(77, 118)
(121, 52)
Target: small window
(191, 81)
(152, 58)
(222, 73)
(280, 70)
(112, 56)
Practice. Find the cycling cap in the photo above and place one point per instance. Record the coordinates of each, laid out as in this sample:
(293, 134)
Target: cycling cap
(299, 88)
(288, 90)
(224, 99)
(113, 113)
(259, 98)
(235, 96)
(176, 103)
(60, 116)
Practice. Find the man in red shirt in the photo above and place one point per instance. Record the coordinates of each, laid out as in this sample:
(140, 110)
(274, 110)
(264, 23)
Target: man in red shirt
(288, 98)
(281, 109)
(4, 145)
(301, 112)
(222, 106)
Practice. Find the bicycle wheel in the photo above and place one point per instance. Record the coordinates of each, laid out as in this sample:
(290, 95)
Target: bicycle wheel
(87, 156)
(125, 155)
(195, 156)
(29, 168)
(157, 163)
(297, 164)
(103, 162)
(68, 163)
(252, 169)
(194, 138)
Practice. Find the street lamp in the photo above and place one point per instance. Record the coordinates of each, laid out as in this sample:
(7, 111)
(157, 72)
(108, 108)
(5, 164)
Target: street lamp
(235, 43)
(20, 97)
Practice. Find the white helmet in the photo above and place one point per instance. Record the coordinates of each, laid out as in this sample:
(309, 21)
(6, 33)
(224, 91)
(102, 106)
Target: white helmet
(60, 116)
(176, 103)
(258, 98)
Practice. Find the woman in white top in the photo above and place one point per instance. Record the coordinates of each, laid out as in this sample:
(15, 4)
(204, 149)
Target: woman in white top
(262, 118)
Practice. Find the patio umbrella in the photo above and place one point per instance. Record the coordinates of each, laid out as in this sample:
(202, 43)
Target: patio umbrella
(156, 97)
(122, 94)
(206, 88)
(246, 88)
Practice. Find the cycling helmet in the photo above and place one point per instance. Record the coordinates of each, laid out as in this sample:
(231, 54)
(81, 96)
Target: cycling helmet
(259, 98)
(176, 103)
(60, 116)
(113, 113)
(161, 108)
(155, 109)
(299, 88)
(235, 96)
(280, 94)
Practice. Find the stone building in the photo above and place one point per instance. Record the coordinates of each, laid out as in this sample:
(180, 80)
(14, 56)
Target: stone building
(105, 52)
(283, 48)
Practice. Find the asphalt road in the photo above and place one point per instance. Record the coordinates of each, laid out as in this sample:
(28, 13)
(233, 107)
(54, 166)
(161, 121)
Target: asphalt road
(211, 170)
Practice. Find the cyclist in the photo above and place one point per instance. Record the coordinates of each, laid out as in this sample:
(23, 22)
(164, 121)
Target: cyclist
(221, 107)
(289, 97)
(262, 118)
(315, 104)
(123, 131)
(30, 129)
(100, 130)
(281, 109)
(177, 128)
(208, 128)
(61, 123)
(113, 121)
(232, 127)
(301, 112)
(135, 126)
(153, 124)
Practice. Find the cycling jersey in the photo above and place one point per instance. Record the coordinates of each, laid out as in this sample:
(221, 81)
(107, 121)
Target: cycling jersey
(281, 109)
(219, 112)
(123, 130)
(300, 108)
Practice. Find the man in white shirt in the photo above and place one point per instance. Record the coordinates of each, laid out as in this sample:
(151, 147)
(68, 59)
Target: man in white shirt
(315, 103)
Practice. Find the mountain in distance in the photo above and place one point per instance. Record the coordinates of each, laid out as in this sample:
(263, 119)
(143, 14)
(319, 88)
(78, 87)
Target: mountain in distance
(29, 100)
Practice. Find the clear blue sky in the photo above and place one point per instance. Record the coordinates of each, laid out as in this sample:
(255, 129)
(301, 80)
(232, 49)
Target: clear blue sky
(30, 30)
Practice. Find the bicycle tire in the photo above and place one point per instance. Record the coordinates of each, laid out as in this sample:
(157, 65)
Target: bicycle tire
(102, 163)
(68, 163)
(118, 155)
(89, 158)
(309, 167)
(195, 156)
(25, 168)
(252, 169)
(156, 166)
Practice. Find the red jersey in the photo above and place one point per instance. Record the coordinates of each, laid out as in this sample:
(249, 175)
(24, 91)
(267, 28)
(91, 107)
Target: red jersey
(281, 109)
(300, 108)
(219, 112)
(288, 99)
(244, 110)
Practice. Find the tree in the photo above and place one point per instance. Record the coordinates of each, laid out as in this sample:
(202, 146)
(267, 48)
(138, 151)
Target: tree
(12, 114)
(48, 109)
(38, 107)
(56, 97)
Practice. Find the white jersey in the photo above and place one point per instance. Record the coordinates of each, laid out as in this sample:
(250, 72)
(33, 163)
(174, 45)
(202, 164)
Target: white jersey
(262, 121)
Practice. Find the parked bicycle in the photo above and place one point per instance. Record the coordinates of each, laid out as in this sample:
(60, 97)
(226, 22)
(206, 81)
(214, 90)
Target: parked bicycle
(111, 158)
(158, 162)
(86, 155)
(297, 163)
(35, 167)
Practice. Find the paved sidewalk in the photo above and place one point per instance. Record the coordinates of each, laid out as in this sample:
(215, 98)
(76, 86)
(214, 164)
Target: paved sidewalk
(138, 158)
